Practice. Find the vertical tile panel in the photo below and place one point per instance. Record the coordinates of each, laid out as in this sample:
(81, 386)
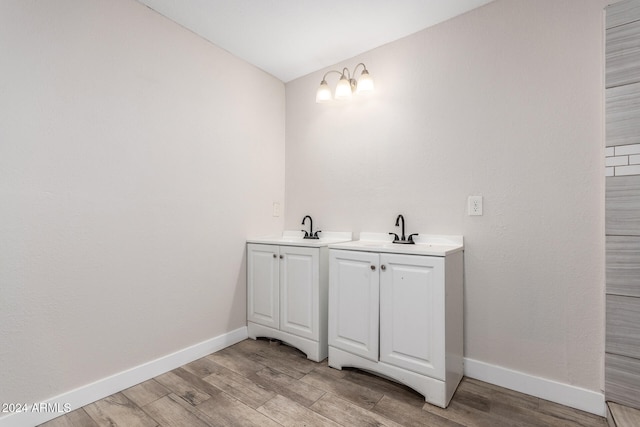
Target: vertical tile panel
(623, 265)
(622, 380)
(623, 326)
(623, 12)
(623, 114)
(622, 205)
(623, 55)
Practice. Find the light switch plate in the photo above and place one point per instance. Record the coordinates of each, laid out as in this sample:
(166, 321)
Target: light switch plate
(475, 205)
(276, 209)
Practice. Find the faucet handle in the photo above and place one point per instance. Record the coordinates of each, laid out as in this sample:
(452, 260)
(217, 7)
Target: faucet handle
(306, 234)
(411, 236)
(395, 237)
(316, 233)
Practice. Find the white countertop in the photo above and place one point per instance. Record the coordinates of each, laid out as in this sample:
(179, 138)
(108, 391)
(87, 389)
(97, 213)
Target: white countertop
(426, 244)
(295, 238)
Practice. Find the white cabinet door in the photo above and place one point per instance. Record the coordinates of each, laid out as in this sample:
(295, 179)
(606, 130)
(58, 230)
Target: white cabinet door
(299, 291)
(263, 285)
(412, 308)
(353, 302)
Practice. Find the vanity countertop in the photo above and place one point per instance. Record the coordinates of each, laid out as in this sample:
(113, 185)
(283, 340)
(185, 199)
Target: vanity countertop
(426, 244)
(295, 238)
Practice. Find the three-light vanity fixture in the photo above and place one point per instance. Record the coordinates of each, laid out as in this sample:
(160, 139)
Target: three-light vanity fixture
(347, 85)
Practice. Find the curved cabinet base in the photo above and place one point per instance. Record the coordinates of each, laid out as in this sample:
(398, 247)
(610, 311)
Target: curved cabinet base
(434, 391)
(314, 350)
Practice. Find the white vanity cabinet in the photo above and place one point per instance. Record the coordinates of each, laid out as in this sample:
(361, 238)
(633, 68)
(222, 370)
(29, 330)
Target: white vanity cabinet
(287, 287)
(283, 292)
(398, 314)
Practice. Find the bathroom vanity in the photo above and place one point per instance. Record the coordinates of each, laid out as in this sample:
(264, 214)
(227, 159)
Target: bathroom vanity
(397, 310)
(287, 289)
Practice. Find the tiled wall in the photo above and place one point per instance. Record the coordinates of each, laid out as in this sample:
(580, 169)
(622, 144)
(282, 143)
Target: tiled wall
(622, 204)
(622, 160)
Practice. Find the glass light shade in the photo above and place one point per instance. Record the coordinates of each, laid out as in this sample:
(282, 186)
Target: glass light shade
(365, 83)
(324, 93)
(343, 89)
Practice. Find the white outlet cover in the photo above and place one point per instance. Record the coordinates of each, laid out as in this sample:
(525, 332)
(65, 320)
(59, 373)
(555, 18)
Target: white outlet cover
(474, 205)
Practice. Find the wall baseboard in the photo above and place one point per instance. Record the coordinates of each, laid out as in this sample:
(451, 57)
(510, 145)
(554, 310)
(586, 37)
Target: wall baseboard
(89, 393)
(564, 394)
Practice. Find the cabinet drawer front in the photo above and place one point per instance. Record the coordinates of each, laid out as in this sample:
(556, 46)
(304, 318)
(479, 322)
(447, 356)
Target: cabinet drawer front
(263, 296)
(412, 313)
(353, 302)
(299, 291)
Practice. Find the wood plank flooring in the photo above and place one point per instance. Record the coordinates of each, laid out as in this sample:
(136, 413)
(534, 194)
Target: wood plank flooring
(265, 383)
(623, 416)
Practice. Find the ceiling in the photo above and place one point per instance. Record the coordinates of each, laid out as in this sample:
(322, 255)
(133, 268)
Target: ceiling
(291, 38)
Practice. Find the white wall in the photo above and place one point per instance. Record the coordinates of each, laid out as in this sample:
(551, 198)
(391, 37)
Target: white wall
(504, 102)
(135, 158)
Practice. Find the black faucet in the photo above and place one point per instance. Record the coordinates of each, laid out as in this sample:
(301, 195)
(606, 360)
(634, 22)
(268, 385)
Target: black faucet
(403, 239)
(310, 234)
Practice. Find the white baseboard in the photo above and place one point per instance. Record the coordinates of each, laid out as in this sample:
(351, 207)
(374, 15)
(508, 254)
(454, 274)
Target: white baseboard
(565, 394)
(84, 395)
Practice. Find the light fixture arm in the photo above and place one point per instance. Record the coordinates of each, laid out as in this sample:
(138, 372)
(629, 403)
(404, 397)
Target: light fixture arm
(356, 68)
(324, 78)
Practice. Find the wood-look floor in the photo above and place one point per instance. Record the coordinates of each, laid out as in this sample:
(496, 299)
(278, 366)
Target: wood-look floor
(623, 416)
(264, 383)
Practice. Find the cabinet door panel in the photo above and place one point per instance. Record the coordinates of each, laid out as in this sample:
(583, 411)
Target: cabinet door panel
(412, 313)
(263, 285)
(353, 302)
(299, 282)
